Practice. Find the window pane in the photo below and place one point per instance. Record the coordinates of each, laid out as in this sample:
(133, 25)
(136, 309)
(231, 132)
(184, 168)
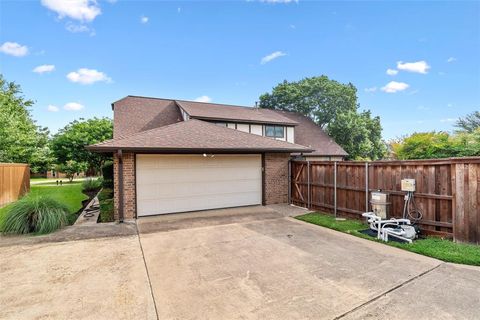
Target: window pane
(279, 132)
(221, 124)
(270, 131)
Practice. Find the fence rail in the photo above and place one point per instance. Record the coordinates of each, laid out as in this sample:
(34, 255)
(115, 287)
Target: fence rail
(447, 191)
(14, 181)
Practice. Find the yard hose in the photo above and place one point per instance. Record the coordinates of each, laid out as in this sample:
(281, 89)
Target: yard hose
(410, 210)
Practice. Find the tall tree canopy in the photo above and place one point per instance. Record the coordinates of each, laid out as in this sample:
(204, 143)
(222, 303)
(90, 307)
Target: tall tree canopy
(470, 123)
(21, 140)
(334, 107)
(69, 143)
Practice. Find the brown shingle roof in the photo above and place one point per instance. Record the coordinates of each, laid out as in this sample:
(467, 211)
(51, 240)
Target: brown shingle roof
(307, 133)
(197, 136)
(136, 114)
(214, 111)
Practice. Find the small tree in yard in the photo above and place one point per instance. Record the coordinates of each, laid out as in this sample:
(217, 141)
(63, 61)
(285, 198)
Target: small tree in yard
(71, 167)
(69, 143)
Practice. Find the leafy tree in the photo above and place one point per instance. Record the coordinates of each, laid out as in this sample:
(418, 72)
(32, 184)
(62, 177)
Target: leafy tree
(69, 143)
(21, 140)
(333, 106)
(319, 98)
(470, 123)
(359, 134)
(432, 145)
(71, 168)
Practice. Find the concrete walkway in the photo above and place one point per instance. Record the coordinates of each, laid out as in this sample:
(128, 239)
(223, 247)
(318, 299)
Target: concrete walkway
(245, 263)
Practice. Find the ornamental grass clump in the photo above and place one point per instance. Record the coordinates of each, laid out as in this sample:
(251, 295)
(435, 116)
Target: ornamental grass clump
(35, 214)
(90, 184)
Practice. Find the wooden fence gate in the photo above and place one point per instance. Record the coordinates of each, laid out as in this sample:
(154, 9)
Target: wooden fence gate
(14, 181)
(447, 191)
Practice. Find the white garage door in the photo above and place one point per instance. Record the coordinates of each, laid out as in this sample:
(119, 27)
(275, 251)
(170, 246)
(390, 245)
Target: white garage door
(180, 183)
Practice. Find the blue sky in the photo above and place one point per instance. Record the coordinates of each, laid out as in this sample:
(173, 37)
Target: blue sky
(90, 54)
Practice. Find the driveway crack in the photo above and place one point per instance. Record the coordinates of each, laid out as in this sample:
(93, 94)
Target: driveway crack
(148, 276)
(387, 292)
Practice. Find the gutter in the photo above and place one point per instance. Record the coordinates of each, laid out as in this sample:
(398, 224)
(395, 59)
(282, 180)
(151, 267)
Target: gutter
(120, 186)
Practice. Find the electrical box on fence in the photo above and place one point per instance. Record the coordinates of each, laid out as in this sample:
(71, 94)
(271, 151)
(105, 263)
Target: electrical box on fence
(380, 204)
(408, 185)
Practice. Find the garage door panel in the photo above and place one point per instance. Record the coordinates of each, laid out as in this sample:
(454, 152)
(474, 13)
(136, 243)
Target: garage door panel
(154, 176)
(163, 192)
(179, 183)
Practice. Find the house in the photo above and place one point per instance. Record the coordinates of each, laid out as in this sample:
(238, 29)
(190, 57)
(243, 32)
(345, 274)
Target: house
(176, 156)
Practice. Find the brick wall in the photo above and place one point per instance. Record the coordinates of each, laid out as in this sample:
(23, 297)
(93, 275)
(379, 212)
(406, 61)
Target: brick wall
(128, 186)
(276, 178)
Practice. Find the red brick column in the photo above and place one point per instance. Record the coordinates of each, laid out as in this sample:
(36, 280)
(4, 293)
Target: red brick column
(276, 178)
(128, 186)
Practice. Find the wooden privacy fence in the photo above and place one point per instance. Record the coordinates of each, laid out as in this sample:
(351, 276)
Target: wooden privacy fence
(447, 191)
(14, 181)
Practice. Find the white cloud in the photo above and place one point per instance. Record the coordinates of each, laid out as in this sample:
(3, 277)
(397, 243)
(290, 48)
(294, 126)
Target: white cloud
(372, 89)
(81, 10)
(143, 19)
(451, 59)
(417, 67)
(14, 49)
(44, 68)
(204, 99)
(76, 28)
(292, 26)
(87, 76)
(53, 108)
(394, 86)
(392, 72)
(73, 106)
(448, 120)
(272, 56)
(179, 9)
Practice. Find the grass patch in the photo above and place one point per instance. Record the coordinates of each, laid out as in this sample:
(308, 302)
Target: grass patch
(434, 247)
(105, 199)
(70, 195)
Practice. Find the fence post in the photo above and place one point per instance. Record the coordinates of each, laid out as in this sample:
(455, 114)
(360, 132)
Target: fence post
(308, 184)
(335, 188)
(366, 186)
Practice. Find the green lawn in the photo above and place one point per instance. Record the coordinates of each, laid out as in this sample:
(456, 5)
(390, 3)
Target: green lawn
(441, 249)
(70, 194)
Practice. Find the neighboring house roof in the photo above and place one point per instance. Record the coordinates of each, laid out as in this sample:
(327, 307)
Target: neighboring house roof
(197, 136)
(223, 112)
(309, 134)
(136, 114)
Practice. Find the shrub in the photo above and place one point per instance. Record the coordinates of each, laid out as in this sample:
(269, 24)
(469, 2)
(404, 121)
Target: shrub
(37, 214)
(90, 184)
(106, 205)
(107, 171)
(105, 194)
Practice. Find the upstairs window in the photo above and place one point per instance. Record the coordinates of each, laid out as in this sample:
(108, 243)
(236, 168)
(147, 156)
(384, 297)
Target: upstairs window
(275, 131)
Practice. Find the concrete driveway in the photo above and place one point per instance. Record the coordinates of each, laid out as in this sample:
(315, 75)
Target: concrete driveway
(249, 263)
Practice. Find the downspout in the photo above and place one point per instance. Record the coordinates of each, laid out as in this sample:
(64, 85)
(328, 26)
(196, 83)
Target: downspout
(120, 186)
